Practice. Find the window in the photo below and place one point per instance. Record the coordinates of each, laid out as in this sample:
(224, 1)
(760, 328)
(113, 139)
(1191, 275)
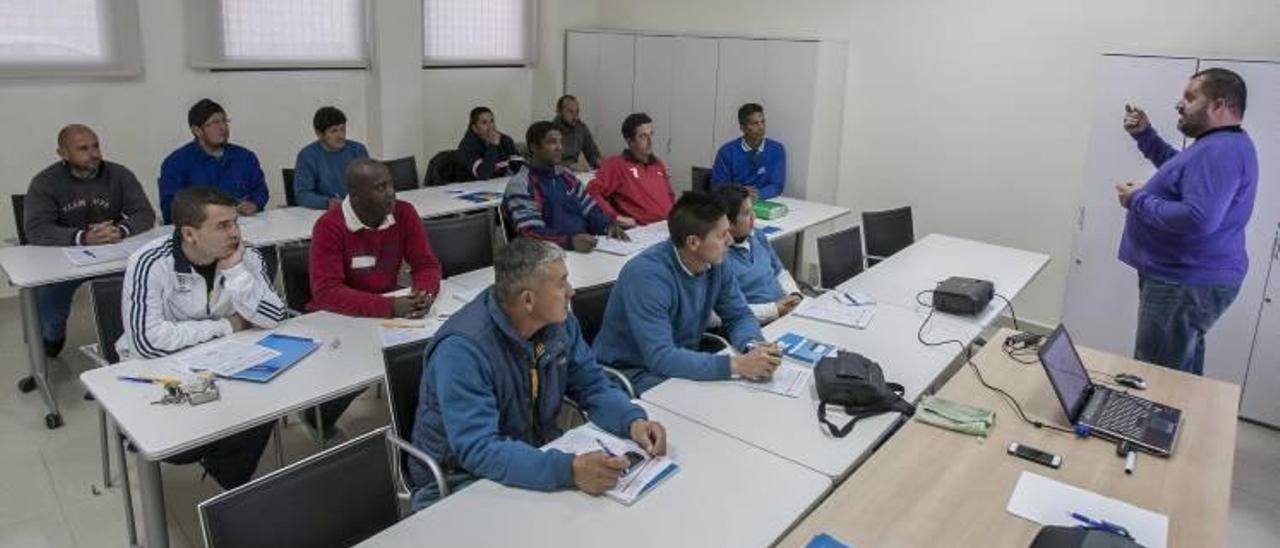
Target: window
(478, 32)
(231, 34)
(68, 38)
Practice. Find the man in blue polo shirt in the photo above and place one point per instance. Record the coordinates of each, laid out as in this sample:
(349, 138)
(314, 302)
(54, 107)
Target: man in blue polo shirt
(318, 181)
(210, 160)
(753, 161)
(1184, 231)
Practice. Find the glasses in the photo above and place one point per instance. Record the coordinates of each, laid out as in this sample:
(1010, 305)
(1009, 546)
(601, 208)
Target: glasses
(217, 122)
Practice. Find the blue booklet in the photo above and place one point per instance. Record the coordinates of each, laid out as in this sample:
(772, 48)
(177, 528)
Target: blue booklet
(804, 350)
(481, 196)
(292, 349)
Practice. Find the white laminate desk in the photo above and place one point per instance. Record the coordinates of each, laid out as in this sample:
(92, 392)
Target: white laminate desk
(160, 431)
(726, 493)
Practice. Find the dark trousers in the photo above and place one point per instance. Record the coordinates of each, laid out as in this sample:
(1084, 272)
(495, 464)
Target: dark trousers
(54, 303)
(1173, 319)
(330, 411)
(231, 460)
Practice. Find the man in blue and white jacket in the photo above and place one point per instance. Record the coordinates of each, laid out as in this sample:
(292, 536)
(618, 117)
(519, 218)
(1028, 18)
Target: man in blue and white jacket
(664, 297)
(495, 378)
(199, 284)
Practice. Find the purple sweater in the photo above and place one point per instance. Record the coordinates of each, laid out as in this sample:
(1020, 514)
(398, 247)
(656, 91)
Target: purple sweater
(1187, 224)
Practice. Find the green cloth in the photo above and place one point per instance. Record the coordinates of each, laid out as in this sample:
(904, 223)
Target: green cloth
(962, 418)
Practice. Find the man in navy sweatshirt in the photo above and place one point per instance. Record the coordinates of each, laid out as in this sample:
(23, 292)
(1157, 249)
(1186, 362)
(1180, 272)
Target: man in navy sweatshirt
(210, 159)
(495, 376)
(753, 160)
(659, 309)
(1184, 232)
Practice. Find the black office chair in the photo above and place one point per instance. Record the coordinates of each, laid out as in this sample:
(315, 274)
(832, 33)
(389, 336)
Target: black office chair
(462, 243)
(588, 307)
(289, 198)
(404, 172)
(701, 179)
(295, 272)
(447, 166)
(336, 498)
(404, 365)
(839, 256)
(887, 232)
(19, 202)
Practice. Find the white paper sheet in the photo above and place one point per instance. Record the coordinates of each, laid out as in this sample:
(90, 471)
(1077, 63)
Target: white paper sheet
(95, 254)
(788, 380)
(829, 308)
(638, 479)
(403, 332)
(226, 358)
(641, 238)
(1050, 502)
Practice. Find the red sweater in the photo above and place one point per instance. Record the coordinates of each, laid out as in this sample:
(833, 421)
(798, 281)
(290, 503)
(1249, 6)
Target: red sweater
(351, 270)
(641, 191)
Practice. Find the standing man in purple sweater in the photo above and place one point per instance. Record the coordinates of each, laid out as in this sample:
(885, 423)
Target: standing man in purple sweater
(1184, 232)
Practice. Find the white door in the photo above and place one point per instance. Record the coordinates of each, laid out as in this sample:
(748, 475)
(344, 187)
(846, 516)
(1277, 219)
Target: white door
(1101, 302)
(616, 79)
(655, 69)
(582, 67)
(740, 80)
(691, 130)
(1261, 398)
(1229, 342)
(791, 70)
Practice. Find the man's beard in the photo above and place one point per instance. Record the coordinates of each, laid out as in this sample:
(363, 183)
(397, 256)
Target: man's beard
(1193, 124)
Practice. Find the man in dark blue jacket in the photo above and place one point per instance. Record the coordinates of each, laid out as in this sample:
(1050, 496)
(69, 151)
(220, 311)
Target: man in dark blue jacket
(211, 160)
(496, 375)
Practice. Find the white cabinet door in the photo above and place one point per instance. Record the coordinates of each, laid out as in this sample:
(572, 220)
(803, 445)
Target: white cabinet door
(582, 71)
(791, 70)
(616, 78)
(741, 80)
(1229, 342)
(1101, 301)
(1261, 398)
(693, 109)
(655, 69)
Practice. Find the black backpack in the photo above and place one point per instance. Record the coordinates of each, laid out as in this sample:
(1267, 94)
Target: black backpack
(857, 384)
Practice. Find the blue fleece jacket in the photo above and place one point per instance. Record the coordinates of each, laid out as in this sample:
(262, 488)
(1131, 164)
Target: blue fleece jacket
(236, 172)
(1187, 223)
(756, 269)
(550, 203)
(765, 168)
(478, 396)
(318, 173)
(657, 313)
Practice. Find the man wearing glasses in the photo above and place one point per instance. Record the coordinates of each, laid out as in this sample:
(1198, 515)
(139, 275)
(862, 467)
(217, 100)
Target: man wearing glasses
(211, 160)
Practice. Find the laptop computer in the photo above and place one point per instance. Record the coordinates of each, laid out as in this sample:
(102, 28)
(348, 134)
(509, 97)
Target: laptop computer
(1108, 413)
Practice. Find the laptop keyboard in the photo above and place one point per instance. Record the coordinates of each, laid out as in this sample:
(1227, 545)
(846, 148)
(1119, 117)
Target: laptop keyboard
(1125, 415)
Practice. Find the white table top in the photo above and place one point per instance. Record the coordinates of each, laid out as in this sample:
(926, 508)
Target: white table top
(936, 257)
(443, 200)
(789, 427)
(800, 215)
(160, 431)
(726, 493)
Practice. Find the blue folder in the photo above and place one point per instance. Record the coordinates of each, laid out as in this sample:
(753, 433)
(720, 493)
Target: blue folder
(292, 350)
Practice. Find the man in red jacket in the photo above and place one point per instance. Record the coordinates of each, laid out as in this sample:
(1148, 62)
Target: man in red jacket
(634, 187)
(356, 254)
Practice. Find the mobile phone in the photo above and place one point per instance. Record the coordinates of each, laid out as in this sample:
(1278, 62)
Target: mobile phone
(1035, 455)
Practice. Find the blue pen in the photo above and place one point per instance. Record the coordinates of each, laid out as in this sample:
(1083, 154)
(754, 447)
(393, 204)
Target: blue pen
(605, 448)
(143, 380)
(1104, 525)
(89, 253)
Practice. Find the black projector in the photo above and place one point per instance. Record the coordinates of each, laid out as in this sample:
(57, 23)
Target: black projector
(964, 296)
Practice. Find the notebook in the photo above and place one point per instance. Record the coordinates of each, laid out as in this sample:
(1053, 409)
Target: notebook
(258, 362)
(646, 472)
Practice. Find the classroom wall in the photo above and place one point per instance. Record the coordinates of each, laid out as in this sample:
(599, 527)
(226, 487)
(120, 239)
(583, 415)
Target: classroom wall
(975, 112)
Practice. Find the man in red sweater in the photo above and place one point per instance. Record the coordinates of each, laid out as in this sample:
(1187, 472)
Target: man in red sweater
(634, 187)
(356, 254)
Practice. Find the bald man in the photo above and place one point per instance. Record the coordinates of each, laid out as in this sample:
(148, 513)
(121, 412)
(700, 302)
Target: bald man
(357, 251)
(79, 200)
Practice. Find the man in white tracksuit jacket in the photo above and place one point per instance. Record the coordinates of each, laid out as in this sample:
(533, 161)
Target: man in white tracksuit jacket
(198, 284)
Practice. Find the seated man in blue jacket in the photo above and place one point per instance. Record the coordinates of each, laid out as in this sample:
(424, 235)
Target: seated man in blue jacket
(478, 387)
(211, 160)
(664, 297)
(753, 160)
(768, 287)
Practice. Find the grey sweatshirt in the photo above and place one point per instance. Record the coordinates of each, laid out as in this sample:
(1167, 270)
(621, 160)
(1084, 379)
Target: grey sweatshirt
(58, 206)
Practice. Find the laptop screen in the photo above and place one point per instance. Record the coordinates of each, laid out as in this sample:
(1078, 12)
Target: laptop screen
(1066, 372)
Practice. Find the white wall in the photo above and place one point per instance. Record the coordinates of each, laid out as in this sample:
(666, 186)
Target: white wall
(975, 112)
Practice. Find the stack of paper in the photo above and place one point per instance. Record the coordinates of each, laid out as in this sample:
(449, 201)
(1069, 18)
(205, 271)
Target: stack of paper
(119, 251)
(641, 238)
(788, 380)
(398, 332)
(646, 472)
(226, 358)
(831, 307)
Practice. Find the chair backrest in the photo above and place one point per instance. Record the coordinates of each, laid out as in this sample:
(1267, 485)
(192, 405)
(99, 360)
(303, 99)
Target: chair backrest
(446, 167)
(588, 307)
(839, 256)
(339, 497)
(701, 178)
(104, 298)
(463, 243)
(404, 172)
(19, 202)
(289, 199)
(887, 232)
(403, 365)
(295, 272)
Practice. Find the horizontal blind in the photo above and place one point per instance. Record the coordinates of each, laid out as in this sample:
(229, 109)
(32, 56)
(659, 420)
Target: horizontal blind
(477, 32)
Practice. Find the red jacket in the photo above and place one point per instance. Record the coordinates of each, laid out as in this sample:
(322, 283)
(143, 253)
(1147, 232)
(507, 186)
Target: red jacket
(624, 186)
(350, 270)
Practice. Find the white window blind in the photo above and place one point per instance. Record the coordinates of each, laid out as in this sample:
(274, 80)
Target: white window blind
(68, 38)
(478, 32)
(278, 33)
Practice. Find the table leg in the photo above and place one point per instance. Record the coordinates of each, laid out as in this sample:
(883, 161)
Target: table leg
(151, 486)
(131, 528)
(35, 356)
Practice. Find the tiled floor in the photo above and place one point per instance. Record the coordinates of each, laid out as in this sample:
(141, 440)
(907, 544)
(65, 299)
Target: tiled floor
(50, 480)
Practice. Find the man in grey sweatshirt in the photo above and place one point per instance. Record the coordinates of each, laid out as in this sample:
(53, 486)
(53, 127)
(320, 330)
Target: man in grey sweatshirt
(79, 200)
